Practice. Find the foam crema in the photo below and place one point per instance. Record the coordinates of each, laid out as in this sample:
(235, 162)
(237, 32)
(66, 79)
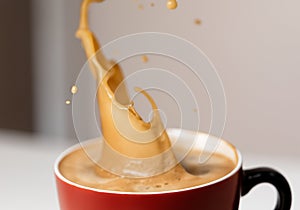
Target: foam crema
(82, 169)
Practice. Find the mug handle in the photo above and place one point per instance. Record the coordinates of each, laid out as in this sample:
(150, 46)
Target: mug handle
(257, 176)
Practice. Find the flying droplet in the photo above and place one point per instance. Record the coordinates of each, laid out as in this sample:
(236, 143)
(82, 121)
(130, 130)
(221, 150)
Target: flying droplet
(172, 4)
(145, 58)
(74, 89)
(152, 4)
(197, 21)
(68, 102)
(140, 7)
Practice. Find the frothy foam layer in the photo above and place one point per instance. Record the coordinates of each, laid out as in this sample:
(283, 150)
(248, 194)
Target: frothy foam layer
(79, 168)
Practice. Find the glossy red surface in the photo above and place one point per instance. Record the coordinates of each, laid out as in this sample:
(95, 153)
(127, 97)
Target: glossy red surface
(223, 195)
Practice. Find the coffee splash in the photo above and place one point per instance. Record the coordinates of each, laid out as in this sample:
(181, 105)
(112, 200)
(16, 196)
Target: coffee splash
(125, 133)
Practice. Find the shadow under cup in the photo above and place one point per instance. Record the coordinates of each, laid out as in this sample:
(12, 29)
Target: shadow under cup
(220, 194)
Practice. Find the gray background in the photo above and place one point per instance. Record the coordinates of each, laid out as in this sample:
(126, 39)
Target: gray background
(253, 44)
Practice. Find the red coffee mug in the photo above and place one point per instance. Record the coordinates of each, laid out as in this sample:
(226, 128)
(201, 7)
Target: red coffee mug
(221, 194)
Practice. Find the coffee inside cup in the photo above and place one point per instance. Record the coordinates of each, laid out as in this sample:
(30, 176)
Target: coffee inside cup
(82, 169)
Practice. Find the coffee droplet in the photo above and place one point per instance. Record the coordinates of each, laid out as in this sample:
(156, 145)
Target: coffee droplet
(145, 58)
(140, 7)
(74, 89)
(197, 21)
(152, 4)
(172, 4)
(68, 102)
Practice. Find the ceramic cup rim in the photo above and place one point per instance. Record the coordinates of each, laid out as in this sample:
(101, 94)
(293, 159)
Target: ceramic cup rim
(79, 145)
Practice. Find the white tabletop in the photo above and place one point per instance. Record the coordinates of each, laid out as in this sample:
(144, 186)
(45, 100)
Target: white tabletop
(27, 180)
